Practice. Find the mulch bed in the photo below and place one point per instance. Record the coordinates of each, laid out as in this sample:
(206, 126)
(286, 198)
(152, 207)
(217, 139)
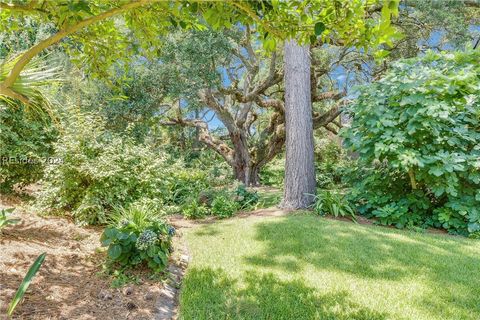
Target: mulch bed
(69, 284)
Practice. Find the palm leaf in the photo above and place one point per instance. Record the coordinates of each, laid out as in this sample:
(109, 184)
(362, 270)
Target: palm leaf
(31, 83)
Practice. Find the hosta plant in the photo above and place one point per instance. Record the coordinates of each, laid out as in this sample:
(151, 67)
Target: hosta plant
(134, 236)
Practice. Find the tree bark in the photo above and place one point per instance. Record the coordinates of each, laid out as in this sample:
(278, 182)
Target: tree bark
(248, 175)
(299, 162)
(241, 157)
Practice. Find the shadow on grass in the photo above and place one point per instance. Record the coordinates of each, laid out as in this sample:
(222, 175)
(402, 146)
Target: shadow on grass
(211, 294)
(208, 230)
(449, 264)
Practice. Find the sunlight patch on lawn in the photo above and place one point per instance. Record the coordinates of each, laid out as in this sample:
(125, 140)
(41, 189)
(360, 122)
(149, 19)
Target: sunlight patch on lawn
(306, 267)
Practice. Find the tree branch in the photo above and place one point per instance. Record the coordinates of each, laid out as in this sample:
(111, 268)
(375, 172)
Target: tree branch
(27, 56)
(322, 120)
(329, 95)
(205, 136)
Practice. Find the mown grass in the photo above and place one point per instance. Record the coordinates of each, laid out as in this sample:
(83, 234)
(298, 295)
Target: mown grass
(306, 267)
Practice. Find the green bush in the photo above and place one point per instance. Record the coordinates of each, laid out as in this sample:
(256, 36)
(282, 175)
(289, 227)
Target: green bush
(193, 209)
(224, 206)
(217, 171)
(246, 199)
(330, 163)
(185, 184)
(273, 173)
(219, 202)
(416, 132)
(136, 235)
(100, 171)
(25, 146)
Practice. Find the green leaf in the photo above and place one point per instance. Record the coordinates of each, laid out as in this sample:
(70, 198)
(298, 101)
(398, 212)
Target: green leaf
(25, 283)
(123, 235)
(319, 28)
(111, 233)
(114, 251)
(163, 257)
(380, 54)
(151, 251)
(436, 171)
(106, 242)
(473, 227)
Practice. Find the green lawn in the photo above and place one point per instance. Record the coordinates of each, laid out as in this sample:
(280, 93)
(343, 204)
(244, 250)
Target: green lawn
(307, 267)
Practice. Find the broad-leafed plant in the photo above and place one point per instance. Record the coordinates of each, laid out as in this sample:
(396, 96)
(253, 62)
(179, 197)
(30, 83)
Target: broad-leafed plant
(137, 235)
(416, 132)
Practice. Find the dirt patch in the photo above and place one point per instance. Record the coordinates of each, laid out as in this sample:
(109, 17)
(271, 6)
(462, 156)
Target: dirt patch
(267, 212)
(68, 285)
(358, 219)
(179, 221)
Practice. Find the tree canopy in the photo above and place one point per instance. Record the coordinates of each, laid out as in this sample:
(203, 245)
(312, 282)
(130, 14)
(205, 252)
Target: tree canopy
(93, 32)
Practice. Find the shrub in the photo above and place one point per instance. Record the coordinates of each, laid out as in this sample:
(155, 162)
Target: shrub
(416, 132)
(220, 202)
(334, 203)
(185, 184)
(217, 171)
(224, 206)
(330, 163)
(101, 170)
(246, 199)
(193, 209)
(25, 146)
(137, 235)
(273, 173)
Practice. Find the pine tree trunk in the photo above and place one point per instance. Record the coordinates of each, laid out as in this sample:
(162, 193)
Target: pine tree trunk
(299, 162)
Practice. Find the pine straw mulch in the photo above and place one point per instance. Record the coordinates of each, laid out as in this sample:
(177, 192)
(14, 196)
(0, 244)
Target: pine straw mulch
(68, 285)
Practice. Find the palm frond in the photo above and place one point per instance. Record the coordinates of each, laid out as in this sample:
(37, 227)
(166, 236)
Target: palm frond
(29, 87)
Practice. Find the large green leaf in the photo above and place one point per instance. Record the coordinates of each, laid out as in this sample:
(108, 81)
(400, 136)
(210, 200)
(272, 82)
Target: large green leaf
(114, 251)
